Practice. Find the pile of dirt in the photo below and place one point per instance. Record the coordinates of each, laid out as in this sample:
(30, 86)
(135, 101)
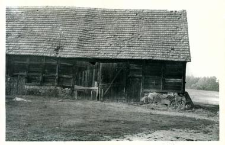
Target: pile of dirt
(171, 100)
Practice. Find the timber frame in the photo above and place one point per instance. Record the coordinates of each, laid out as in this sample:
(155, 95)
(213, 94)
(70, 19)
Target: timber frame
(109, 79)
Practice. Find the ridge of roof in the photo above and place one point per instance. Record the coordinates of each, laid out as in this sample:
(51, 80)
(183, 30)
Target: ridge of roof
(94, 8)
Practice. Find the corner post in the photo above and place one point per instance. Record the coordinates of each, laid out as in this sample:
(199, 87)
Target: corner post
(57, 72)
(162, 76)
(100, 88)
(184, 77)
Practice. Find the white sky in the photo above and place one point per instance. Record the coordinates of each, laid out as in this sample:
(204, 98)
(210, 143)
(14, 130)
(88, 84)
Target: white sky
(206, 21)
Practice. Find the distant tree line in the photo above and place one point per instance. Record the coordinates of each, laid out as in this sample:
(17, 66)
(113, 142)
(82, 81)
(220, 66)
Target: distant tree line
(202, 83)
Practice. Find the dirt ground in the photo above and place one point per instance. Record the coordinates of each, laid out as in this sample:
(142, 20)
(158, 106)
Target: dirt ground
(52, 119)
(206, 97)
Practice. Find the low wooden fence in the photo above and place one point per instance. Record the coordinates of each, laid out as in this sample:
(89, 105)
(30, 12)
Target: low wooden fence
(94, 91)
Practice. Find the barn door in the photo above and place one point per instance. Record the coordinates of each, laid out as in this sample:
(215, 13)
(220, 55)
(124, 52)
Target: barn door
(134, 89)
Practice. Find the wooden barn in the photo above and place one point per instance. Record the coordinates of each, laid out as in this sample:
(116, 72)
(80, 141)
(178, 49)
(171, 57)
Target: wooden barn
(112, 54)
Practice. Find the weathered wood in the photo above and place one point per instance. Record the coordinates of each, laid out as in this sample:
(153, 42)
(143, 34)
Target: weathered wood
(112, 81)
(162, 77)
(75, 94)
(134, 89)
(57, 73)
(42, 72)
(152, 82)
(50, 80)
(76, 87)
(184, 77)
(27, 69)
(66, 76)
(82, 88)
(102, 95)
(93, 77)
(51, 63)
(82, 81)
(17, 84)
(64, 63)
(51, 60)
(20, 62)
(100, 81)
(49, 75)
(73, 79)
(34, 74)
(8, 65)
(87, 76)
(152, 75)
(21, 74)
(125, 79)
(137, 76)
(142, 79)
(173, 80)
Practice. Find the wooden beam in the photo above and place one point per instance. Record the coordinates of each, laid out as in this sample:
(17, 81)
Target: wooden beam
(134, 75)
(162, 76)
(127, 81)
(27, 68)
(21, 62)
(184, 77)
(76, 87)
(17, 85)
(21, 74)
(10, 65)
(66, 76)
(113, 80)
(34, 74)
(86, 76)
(49, 75)
(142, 80)
(65, 63)
(99, 81)
(52, 63)
(42, 72)
(82, 80)
(93, 77)
(73, 80)
(57, 73)
(7, 65)
(75, 94)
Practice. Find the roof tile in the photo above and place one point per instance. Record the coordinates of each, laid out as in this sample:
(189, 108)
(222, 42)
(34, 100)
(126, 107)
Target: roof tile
(97, 33)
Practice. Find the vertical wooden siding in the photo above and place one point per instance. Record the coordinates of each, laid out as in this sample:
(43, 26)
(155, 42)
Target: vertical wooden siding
(164, 76)
(51, 71)
(115, 79)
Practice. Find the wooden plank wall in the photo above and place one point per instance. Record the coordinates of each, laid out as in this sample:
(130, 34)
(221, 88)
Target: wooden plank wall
(113, 80)
(52, 71)
(134, 81)
(164, 76)
(155, 76)
(152, 73)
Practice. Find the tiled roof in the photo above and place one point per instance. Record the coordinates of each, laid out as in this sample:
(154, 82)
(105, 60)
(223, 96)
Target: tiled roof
(97, 33)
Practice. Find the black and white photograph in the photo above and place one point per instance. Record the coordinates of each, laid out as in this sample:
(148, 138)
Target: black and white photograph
(113, 71)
